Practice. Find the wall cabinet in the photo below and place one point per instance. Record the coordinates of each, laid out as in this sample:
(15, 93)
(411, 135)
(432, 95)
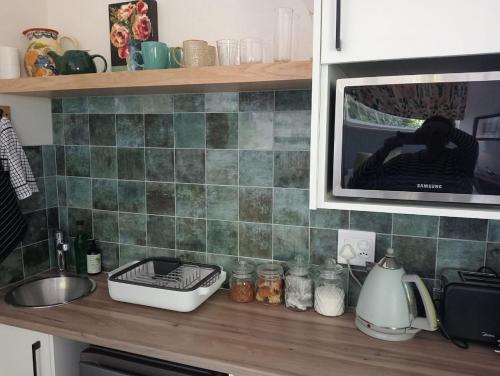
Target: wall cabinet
(394, 29)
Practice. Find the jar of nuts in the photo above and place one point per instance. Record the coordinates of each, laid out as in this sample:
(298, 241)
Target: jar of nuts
(269, 286)
(242, 282)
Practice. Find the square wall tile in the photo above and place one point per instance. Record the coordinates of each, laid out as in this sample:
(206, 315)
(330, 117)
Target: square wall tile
(58, 129)
(222, 167)
(189, 130)
(291, 169)
(35, 159)
(417, 255)
(291, 207)
(160, 198)
(75, 215)
(158, 104)
(130, 253)
(130, 163)
(36, 258)
(292, 130)
(79, 192)
(159, 164)
(255, 130)
(76, 129)
(11, 269)
(256, 204)
(75, 105)
(222, 237)
(105, 225)
(460, 254)
(257, 101)
(492, 256)
(132, 196)
(222, 202)
(129, 104)
(289, 242)
(293, 100)
(160, 252)
(221, 102)
(323, 245)
(61, 190)
(101, 105)
(371, 221)
(51, 192)
(56, 105)
(102, 130)
(103, 162)
(161, 231)
(110, 255)
(132, 228)
(494, 231)
(382, 243)
(190, 166)
(190, 200)
(463, 228)
(49, 160)
(36, 227)
(330, 218)
(104, 194)
(222, 130)
(189, 103)
(77, 160)
(255, 240)
(191, 234)
(130, 130)
(189, 256)
(256, 168)
(159, 130)
(37, 200)
(415, 225)
(60, 160)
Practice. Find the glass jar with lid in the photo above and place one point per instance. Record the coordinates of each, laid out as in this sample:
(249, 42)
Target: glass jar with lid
(299, 285)
(329, 293)
(242, 282)
(269, 285)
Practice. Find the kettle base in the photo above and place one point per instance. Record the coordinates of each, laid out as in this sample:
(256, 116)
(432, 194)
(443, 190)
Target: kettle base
(386, 334)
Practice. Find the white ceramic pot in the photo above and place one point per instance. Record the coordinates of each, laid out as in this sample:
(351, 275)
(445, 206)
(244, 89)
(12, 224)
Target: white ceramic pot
(9, 62)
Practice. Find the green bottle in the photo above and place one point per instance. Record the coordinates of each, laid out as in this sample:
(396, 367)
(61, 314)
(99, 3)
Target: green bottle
(81, 248)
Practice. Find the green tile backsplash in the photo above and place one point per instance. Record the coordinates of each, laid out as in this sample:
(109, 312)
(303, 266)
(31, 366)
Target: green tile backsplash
(213, 177)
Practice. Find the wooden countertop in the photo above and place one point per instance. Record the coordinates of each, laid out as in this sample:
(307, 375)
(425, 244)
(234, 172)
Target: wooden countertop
(250, 339)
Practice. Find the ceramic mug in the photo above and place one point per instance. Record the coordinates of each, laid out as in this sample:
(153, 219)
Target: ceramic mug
(9, 63)
(195, 53)
(178, 55)
(154, 55)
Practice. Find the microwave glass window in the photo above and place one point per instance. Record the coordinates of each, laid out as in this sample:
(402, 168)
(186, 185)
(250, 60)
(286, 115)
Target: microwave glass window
(424, 138)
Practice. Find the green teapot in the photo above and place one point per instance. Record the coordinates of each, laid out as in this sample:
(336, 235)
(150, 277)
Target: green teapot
(76, 62)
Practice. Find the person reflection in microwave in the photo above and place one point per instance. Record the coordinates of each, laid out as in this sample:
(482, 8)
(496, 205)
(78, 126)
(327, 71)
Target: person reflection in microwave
(437, 168)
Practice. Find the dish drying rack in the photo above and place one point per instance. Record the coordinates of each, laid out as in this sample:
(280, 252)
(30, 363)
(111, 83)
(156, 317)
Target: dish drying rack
(164, 282)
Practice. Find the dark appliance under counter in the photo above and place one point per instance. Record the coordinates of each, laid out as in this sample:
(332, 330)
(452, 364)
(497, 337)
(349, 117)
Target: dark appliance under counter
(100, 361)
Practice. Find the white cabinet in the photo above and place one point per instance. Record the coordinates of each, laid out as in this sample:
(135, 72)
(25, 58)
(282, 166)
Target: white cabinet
(28, 353)
(406, 29)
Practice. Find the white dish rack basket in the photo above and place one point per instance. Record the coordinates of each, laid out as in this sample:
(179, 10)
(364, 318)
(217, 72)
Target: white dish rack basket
(166, 283)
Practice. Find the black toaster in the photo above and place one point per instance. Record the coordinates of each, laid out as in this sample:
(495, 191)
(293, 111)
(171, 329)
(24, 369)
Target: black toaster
(470, 305)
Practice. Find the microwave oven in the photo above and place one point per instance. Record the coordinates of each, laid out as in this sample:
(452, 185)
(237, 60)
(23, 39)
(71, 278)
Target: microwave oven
(433, 137)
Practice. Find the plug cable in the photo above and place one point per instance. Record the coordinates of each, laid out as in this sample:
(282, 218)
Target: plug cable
(347, 252)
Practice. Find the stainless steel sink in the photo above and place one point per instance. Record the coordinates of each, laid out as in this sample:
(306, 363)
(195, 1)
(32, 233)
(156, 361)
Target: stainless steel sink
(50, 291)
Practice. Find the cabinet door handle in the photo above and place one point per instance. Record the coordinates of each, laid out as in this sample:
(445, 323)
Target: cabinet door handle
(337, 27)
(34, 348)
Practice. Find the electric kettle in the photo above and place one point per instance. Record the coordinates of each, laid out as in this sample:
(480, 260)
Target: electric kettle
(387, 307)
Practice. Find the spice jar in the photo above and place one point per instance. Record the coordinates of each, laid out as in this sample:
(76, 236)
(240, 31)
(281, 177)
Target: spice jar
(299, 286)
(329, 293)
(269, 283)
(242, 282)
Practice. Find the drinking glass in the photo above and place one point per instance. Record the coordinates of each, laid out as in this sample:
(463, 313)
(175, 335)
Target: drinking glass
(283, 34)
(250, 51)
(227, 51)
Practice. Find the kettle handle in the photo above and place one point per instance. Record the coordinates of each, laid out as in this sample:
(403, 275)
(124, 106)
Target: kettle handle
(429, 322)
(103, 59)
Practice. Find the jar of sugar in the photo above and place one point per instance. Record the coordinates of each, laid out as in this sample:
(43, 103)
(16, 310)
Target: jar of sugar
(329, 295)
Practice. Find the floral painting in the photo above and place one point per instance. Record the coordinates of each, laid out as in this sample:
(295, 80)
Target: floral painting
(131, 23)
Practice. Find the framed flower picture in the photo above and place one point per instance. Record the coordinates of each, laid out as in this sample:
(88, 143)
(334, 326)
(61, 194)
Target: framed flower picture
(130, 24)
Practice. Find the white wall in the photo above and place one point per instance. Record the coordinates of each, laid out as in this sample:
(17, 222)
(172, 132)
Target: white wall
(178, 20)
(31, 116)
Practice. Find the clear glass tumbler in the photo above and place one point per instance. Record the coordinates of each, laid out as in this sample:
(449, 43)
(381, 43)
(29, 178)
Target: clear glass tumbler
(250, 51)
(227, 51)
(283, 34)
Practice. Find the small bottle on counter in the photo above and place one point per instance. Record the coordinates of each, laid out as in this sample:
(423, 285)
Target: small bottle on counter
(329, 295)
(81, 245)
(242, 282)
(94, 259)
(299, 285)
(269, 287)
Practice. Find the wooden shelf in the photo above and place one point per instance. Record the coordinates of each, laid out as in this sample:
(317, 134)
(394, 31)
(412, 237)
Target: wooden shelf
(276, 76)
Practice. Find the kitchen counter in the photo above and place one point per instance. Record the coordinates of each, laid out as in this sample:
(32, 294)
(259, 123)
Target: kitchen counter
(250, 339)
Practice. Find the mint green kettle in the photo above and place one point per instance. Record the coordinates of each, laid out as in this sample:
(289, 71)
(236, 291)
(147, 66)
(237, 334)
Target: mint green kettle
(76, 62)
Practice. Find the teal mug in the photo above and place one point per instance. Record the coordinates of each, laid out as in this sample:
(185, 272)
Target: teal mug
(154, 55)
(174, 55)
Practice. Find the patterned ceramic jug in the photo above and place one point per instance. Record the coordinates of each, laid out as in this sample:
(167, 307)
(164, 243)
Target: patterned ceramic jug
(37, 62)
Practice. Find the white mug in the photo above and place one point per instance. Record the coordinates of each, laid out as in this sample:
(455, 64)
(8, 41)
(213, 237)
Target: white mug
(9, 63)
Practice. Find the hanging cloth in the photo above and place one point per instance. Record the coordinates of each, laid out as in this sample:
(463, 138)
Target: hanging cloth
(14, 160)
(12, 222)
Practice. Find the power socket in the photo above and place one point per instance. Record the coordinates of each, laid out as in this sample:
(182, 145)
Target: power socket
(363, 244)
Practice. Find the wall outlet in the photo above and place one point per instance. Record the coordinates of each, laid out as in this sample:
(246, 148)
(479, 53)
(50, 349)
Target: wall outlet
(362, 243)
